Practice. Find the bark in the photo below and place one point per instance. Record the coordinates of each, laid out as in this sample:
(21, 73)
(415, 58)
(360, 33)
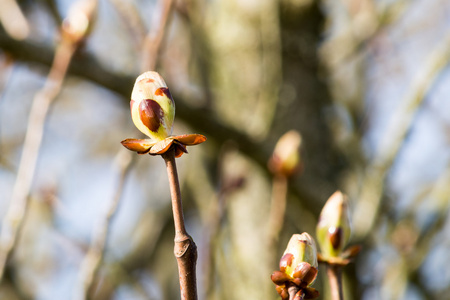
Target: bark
(185, 249)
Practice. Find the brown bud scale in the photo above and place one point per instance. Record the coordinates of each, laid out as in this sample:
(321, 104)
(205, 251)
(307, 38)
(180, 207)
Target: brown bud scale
(151, 114)
(310, 276)
(165, 91)
(279, 277)
(286, 261)
(302, 270)
(335, 235)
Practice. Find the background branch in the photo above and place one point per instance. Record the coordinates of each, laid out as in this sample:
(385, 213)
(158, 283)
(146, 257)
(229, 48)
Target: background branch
(203, 120)
(41, 103)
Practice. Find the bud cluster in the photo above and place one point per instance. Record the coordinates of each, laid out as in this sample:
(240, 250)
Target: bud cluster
(298, 268)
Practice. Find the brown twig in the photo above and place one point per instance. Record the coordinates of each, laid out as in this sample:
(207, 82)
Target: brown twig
(295, 293)
(276, 217)
(185, 249)
(334, 273)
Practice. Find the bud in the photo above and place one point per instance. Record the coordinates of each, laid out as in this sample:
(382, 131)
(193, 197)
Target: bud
(300, 258)
(152, 106)
(78, 23)
(286, 158)
(333, 228)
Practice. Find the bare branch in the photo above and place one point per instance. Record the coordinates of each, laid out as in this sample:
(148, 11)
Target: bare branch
(203, 120)
(35, 130)
(153, 40)
(369, 202)
(94, 256)
(73, 33)
(13, 20)
(185, 249)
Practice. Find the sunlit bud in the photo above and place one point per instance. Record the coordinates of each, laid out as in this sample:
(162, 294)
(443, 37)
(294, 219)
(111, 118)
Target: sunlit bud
(333, 228)
(78, 23)
(152, 106)
(286, 158)
(300, 258)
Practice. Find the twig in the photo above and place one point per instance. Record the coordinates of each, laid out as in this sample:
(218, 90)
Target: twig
(13, 20)
(41, 103)
(93, 258)
(185, 249)
(73, 32)
(133, 21)
(153, 40)
(356, 46)
(367, 207)
(277, 212)
(334, 274)
(295, 293)
(214, 222)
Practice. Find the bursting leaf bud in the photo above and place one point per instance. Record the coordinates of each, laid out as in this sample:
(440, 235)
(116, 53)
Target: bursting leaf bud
(152, 106)
(153, 112)
(286, 158)
(300, 259)
(333, 229)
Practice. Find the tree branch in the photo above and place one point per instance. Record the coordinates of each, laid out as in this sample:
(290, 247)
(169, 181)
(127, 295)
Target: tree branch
(185, 249)
(15, 215)
(202, 120)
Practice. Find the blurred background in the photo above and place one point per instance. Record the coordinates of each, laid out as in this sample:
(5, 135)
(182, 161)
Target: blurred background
(366, 83)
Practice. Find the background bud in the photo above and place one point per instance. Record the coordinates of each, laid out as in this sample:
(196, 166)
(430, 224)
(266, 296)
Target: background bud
(333, 228)
(152, 106)
(78, 23)
(303, 250)
(286, 158)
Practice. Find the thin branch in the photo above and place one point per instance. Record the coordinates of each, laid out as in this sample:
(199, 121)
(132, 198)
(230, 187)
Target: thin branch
(73, 32)
(92, 260)
(334, 274)
(153, 40)
(214, 222)
(369, 202)
(33, 138)
(295, 293)
(356, 46)
(277, 212)
(13, 20)
(185, 249)
(132, 20)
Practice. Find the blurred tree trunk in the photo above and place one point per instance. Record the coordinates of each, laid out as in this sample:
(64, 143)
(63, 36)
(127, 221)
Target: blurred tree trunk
(304, 99)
